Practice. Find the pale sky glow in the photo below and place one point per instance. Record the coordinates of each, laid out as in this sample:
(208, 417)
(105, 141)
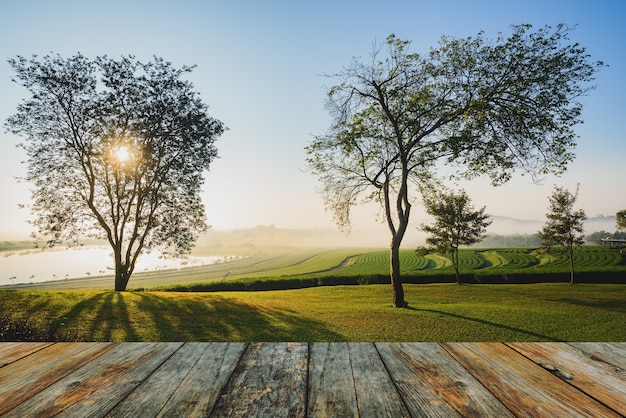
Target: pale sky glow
(259, 69)
(122, 154)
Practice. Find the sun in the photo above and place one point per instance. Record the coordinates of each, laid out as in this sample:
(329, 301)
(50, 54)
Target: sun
(122, 154)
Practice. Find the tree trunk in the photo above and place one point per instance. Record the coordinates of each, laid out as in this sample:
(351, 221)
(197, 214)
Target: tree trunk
(403, 209)
(455, 262)
(121, 278)
(571, 265)
(396, 279)
(122, 274)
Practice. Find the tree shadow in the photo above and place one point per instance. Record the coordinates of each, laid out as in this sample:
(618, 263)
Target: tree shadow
(129, 316)
(533, 334)
(616, 303)
(215, 318)
(104, 317)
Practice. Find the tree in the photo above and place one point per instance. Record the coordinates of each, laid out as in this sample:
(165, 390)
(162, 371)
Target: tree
(620, 218)
(456, 223)
(564, 226)
(597, 237)
(487, 107)
(116, 150)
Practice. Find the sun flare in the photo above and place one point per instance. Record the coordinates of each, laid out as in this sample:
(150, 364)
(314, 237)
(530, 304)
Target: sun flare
(122, 154)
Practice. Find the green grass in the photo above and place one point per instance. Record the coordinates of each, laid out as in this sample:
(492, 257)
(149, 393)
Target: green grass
(437, 312)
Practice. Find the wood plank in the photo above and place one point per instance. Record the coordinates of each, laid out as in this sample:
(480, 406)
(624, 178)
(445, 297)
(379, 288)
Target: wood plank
(331, 385)
(612, 353)
(270, 380)
(603, 381)
(95, 389)
(12, 351)
(377, 395)
(23, 379)
(150, 397)
(433, 384)
(524, 387)
(198, 392)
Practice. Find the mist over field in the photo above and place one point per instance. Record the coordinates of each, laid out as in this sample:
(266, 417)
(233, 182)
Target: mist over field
(243, 241)
(247, 241)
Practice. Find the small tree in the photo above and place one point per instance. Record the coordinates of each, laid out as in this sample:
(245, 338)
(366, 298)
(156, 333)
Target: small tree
(456, 224)
(565, 225)
(620, 218)
(117, 150)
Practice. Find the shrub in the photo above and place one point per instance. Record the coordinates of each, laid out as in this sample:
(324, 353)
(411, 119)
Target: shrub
(18, 329)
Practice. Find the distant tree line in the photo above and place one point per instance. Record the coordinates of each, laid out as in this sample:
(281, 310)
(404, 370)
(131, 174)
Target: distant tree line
(596, 237)
(534, 240)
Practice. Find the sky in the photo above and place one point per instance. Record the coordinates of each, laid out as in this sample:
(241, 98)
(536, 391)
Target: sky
(261, 66)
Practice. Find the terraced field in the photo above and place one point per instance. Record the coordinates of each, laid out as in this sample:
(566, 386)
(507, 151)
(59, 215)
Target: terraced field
(289, 268)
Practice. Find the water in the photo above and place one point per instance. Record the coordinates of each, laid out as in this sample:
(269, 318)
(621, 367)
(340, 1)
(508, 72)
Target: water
(38, 265)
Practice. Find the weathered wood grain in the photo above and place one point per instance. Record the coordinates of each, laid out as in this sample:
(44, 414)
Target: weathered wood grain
(316, 379)
(524, 387)
(603, 381)
(22, 380)
(150, 397)
(94, 389)
(612, 353)
(377, 395)
(433, 384)
(331, 384)
(198, 392)
(270, 380)
(10, 352)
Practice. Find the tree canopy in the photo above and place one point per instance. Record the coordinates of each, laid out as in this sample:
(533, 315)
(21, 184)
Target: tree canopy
(456, 223)
(116, 150)
(564, 225)
(487, 107)
(620, 219)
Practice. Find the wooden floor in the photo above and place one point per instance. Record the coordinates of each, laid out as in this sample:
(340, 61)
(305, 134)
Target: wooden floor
(313, 379)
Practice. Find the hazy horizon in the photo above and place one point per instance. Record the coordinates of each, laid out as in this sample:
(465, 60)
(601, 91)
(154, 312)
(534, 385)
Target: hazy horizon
(371, 237)
(259, 69)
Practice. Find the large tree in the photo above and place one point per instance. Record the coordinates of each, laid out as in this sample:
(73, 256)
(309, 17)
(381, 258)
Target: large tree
(489, 107)
(456, 223)
(116, 150)
(564, 227)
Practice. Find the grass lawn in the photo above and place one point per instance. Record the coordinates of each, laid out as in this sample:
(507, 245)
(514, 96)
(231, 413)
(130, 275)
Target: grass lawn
(437, 312)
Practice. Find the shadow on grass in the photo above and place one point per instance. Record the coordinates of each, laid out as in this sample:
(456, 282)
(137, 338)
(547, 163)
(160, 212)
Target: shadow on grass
(221, 319)
(533, 334)
(104, 317)
(614, 301)
(124, 316)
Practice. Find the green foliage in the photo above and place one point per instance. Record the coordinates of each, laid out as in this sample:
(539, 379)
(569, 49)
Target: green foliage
(456, 224)
(564, 227)
(620, 218)
(597, 237)
(488, 107)
(116, 150)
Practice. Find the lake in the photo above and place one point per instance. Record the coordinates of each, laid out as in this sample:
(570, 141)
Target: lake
(38, 265)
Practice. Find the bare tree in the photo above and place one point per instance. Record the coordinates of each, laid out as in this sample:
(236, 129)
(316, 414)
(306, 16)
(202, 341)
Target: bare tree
(116, 150)
(488, 107)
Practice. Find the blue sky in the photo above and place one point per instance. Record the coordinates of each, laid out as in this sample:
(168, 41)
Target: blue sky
(260, 67)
